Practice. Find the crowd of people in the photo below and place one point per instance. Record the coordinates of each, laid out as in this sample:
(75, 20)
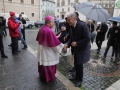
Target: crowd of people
(76, 34)
(73, 33)
(16, 30)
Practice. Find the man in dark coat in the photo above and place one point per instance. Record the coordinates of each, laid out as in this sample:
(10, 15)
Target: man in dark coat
(80, 40)
(117, 46)
(23, 22)
(1, 36)
(90, 25)
(111, 39)
(101, 31)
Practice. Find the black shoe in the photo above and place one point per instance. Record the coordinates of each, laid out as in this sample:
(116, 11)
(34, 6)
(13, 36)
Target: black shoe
(78, 84)
(4, 56)
(72, 78)
(72, 70)
(14, 52)
(25, 47)
(18, 51)
(10, 45)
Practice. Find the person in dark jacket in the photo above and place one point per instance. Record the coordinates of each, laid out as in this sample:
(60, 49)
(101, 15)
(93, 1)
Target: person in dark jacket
(62, 34)
(90, 26)
(80, 40)
(23, 22)
(111, 40)
(1, 36)
(4, 21)
(117, 46)
(101, 31)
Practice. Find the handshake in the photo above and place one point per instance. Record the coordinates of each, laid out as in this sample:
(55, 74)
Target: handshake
(64, 50)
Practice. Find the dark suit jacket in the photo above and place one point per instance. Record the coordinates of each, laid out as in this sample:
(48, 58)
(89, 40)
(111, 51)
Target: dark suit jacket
(112, 36)
(103, 29)
(92, 27)
(81, 35)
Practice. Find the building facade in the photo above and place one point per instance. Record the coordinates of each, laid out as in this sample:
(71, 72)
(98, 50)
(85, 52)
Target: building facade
(65, 7)
(48, 8)
(32, 8)
(117, 9)
(109, 5)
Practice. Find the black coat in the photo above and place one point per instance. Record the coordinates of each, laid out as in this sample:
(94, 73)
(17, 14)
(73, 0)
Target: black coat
(1, 27)
(117, 41)
(112, 36)
(81, 35)
(103, 29)
(92, 27)
(63, 34)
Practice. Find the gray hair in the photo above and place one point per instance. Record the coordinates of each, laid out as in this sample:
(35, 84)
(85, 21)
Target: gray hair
(73, 15)
(48, 21)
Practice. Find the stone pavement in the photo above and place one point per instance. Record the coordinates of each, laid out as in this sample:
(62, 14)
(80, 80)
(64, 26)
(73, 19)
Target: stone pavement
(19, 72)
(97, 75)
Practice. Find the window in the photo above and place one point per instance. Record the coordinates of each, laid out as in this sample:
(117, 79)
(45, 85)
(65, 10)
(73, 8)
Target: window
(58, 10)
(22, 1)
(68, 2)
(57, 16)
(77, 1)
(32, 1)
(58, 3)
(68, 9)
(9, 0)
(63, 10)
(22, 12)
(63, 3)
(32, 14)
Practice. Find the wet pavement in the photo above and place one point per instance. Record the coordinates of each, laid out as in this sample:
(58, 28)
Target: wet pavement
(19, 72)
(98, 75)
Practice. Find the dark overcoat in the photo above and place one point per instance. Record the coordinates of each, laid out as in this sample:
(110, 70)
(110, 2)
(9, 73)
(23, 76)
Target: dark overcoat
(112, 36)
(81, 35)
(103, 29)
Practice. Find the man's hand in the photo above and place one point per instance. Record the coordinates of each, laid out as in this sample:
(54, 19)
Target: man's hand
(98, 30)
(65, 38)
(74, 44)
(65, 47)
(116, 31)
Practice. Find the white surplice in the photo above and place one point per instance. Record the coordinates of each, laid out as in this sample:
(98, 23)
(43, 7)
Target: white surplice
(48, 56)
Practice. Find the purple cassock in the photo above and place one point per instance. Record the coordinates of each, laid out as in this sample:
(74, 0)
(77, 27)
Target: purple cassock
(46, 37)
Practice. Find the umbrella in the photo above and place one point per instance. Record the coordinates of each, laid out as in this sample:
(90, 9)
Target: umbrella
(57, 20)
(93, 11)
(117, 19)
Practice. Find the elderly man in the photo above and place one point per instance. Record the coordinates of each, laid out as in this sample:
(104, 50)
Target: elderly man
(14, 33)
(80, 41)
(90, 25)
(49, 48)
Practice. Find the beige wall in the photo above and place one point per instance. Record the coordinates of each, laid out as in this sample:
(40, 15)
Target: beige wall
(25, 7)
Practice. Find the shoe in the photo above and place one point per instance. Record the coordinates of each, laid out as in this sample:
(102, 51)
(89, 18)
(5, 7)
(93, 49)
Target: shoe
(103, 58)
(25, 47)
(18, 51)
(111, 57)
(10, 45)
(14, 52)
(72, 70)
(4, 56)
(78, 84)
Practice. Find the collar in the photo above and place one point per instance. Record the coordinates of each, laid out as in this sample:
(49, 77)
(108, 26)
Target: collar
(75, 24)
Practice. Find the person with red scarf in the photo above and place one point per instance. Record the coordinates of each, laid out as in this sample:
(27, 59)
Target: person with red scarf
(14, 33)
